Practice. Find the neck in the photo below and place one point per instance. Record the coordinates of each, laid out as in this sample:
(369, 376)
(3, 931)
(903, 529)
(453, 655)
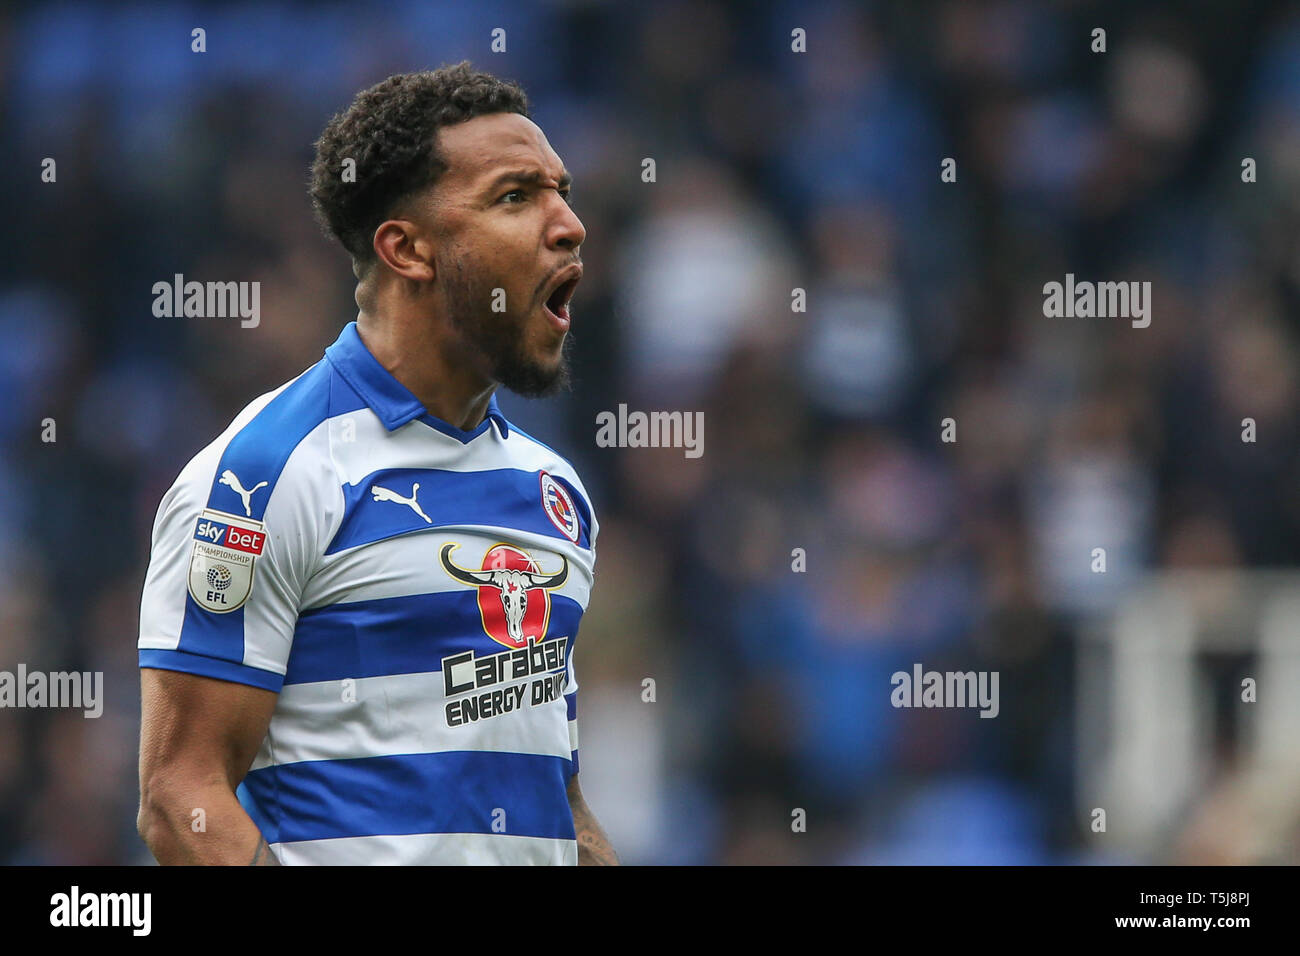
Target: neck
(423, 357)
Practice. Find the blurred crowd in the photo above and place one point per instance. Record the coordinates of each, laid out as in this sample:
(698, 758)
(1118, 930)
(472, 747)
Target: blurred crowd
(723, 689)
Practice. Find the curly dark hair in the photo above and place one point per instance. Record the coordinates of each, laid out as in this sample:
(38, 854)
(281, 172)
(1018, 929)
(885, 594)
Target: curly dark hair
(390, 131)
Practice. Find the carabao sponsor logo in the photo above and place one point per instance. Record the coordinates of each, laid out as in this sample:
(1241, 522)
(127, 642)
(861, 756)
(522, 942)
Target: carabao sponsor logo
(513, 596)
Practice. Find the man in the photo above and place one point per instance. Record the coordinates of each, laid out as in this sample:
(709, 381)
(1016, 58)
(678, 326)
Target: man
(358, 621)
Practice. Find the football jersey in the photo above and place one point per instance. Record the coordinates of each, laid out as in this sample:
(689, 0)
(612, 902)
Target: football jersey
(412, 591)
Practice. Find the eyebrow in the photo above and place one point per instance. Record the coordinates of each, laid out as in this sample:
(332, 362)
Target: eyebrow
(527, 176)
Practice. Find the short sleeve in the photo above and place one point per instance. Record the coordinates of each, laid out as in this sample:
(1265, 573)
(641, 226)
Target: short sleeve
(223, 588)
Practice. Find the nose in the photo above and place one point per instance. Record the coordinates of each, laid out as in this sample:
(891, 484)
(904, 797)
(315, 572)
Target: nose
(567, 230)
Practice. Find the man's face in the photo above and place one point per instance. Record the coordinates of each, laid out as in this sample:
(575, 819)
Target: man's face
(507, 250)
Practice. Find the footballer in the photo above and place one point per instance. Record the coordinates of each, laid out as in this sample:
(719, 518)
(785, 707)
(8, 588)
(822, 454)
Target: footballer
(358, 622)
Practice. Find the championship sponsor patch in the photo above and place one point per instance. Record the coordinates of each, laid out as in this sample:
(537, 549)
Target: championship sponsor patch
(221, 565)
(558, 505)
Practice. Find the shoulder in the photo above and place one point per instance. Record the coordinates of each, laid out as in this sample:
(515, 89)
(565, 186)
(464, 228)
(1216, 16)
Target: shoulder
(262, 439)
(263, 449)
(523, 444)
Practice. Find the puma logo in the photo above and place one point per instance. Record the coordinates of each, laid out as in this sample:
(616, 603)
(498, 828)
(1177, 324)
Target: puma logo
(384, 494)
(228, 477)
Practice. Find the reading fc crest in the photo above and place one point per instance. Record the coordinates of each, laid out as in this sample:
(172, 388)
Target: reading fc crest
(558, 505)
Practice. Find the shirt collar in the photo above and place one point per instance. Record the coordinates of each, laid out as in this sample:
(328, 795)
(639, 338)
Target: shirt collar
(390, 400)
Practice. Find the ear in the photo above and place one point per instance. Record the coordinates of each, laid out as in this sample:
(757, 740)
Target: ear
(399, 245)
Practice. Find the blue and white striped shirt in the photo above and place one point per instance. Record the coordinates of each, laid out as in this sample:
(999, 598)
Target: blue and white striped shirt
(412, 591)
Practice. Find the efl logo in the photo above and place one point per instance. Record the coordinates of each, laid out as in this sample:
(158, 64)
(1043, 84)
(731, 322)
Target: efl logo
(226, 548)
(229, 536)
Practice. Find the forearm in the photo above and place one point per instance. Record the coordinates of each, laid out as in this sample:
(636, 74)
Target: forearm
(222, 835)
(594, 848)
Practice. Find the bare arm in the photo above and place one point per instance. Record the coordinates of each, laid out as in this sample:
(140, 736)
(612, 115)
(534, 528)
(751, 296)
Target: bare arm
(198, 737)
(594, 848)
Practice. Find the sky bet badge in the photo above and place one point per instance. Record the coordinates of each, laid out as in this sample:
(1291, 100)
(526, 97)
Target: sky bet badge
(221, 567)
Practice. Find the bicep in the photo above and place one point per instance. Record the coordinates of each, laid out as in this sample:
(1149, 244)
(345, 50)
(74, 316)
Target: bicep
(195, 727)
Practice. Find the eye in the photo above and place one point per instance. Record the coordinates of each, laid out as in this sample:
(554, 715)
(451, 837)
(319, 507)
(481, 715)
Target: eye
(513, 192)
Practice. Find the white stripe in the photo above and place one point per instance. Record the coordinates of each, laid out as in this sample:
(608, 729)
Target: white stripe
(430, 849)
(403, 714)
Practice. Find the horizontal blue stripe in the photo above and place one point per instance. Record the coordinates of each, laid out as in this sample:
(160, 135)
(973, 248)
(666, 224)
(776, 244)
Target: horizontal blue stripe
(402, 635)
(498, 497)
(264, 814)
(187, 663)
(453, 792)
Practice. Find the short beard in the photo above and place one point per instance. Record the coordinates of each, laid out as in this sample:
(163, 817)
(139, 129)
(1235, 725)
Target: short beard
(500, 341)
(498, 338)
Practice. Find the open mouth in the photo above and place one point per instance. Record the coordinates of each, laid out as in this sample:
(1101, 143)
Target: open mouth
(557, 303)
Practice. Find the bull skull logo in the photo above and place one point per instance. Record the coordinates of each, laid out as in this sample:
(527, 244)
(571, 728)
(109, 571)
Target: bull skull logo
(511, 574)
